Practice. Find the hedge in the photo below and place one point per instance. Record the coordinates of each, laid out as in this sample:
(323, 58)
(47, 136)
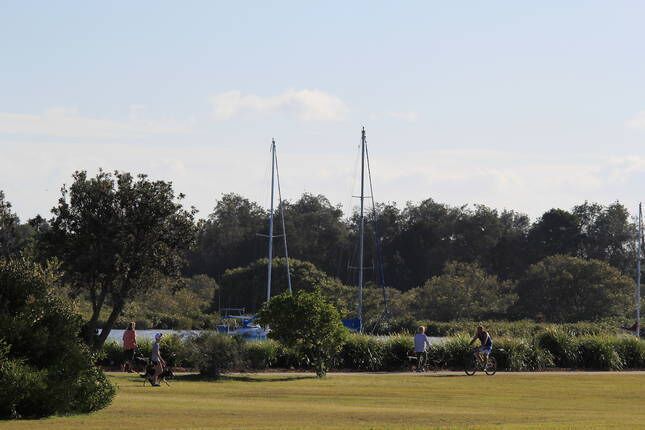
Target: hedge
(547, 349)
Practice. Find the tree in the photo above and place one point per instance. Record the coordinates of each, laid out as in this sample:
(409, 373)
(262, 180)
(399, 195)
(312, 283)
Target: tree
(229, 237)
(246, 286)
(44, 367)
(316, 232)
(607, 234)
(568, 289)
(14, 236)
(463, 291)
(117, 237)
(307, 323)
(556, 232)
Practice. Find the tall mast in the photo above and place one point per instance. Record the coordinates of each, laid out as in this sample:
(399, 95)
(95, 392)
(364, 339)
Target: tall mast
(361, 234)
(638, 270)
(271, 221)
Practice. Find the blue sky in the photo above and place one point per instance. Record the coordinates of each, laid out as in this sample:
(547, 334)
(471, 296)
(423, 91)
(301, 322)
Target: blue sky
(521, 105)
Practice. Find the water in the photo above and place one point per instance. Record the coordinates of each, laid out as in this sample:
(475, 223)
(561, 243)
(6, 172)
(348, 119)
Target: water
(117, 335)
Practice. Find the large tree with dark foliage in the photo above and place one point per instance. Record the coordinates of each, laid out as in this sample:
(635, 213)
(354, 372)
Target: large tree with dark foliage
(562, 288)
(606, 234)
(14, 237)
(229, 237)
(117, 237)
(556, 232)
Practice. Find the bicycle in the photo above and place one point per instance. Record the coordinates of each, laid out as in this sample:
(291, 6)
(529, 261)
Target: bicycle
(433, 361)
(474, 363)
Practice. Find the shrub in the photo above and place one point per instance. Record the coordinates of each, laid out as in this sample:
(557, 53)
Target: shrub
(597, 352)
(456, 350)
(44, 362)
(362, 352)
(214, 354)
(631, 351)
(308, 324)
(396, 351)
(560, 345)
(261, 355)
(520, 355)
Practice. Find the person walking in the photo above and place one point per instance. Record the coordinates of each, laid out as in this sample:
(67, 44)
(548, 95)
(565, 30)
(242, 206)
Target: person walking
(129, 347)
(157, 361)
(421, 345)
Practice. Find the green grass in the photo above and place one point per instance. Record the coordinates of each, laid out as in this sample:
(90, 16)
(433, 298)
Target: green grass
(370, 401)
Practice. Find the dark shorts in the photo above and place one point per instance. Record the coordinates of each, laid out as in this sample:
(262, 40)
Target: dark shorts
(128, 354)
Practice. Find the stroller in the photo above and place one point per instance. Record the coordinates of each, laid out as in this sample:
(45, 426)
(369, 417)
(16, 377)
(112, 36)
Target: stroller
(143, 364)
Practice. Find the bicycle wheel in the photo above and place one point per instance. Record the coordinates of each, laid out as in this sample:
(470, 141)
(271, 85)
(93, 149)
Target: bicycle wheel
(471, 365)
(491, 366)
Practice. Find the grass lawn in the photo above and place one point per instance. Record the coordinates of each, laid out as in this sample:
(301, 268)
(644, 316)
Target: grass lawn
(370, 401)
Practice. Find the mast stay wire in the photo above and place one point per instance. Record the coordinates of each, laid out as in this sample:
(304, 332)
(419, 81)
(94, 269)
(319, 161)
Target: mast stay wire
(377, 241)
(284, 231)
(350, 207)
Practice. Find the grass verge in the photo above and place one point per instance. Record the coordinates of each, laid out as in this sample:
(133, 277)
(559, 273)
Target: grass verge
(369, 401)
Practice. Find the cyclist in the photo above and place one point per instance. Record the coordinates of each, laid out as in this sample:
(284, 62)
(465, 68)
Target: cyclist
(486, 344)
(421, 345)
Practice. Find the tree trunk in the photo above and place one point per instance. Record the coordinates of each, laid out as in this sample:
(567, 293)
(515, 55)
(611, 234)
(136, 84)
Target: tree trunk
(89, 329)
(116, 312)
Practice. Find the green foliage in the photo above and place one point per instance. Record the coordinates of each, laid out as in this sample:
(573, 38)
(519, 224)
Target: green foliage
(631, 351)
(560, 345)
(456, 350)
(247, 285)
(521, 328)
(568, 289)
(463, 290)
(261, 355)
(397, 348)
(362, 352)
(518, 354)
(44, 364)
(117, 237)
(183, 305)
(214, 353)
(598, 353)
(307, 323)
(14, 237)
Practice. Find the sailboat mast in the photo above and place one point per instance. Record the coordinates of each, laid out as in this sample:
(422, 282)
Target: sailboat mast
(271, 221)
(361, 234)
(638, 270)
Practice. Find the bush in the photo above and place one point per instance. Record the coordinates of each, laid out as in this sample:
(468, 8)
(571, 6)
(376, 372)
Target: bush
(631, 351)
(597, 352)
(308, 324)
(520, 355)
(396, 349)
(560, 345)
(362, 352)
(213, 353)
(261, 355)
(455, 350)
(46, 367)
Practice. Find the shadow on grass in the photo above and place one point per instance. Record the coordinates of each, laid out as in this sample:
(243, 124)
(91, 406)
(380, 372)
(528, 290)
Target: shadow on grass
(239, 378)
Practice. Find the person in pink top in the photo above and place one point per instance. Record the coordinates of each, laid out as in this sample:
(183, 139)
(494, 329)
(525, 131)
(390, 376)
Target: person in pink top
(129, 347)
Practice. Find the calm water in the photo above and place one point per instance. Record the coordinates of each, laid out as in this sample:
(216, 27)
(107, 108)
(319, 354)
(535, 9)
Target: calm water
(117, 335)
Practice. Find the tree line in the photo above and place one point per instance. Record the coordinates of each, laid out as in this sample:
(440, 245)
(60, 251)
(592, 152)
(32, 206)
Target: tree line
(118, 238)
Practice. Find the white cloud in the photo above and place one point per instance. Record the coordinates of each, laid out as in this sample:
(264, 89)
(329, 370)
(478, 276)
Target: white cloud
(69, 123)
(309, 105)
(405, 116)
(637, 121)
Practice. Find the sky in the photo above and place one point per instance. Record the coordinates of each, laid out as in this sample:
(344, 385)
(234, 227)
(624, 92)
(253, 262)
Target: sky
(515, 105)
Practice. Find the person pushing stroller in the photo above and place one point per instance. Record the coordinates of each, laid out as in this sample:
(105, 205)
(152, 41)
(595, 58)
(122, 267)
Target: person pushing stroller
(421, 345)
